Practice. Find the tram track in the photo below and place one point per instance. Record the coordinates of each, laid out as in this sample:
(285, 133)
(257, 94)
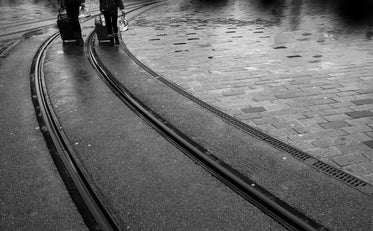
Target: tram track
(287, 216)
(100, 217)
(94, 212)
(82, 191)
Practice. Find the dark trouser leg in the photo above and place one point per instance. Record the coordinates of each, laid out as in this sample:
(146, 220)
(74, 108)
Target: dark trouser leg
(109, 25)
(73, 13)
(115, 26)
(114, 18)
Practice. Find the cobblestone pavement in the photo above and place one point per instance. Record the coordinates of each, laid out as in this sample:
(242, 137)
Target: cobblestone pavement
(301, 71)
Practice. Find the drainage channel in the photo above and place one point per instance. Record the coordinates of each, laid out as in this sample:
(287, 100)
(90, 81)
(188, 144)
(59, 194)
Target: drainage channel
(284, 214)
(304, 157)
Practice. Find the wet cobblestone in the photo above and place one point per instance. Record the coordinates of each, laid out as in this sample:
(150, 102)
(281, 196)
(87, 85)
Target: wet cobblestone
(300, 71)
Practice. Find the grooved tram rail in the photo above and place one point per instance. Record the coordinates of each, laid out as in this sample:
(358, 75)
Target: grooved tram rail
(249, 190)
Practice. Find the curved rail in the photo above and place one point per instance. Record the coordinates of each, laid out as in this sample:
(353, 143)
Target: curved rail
(81, 189)
(249, 190)
(94, 213)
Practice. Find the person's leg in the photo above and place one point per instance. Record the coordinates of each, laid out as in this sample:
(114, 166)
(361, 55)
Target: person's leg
(115, 26)
(73, 13)
(109, 26)
(114, 18)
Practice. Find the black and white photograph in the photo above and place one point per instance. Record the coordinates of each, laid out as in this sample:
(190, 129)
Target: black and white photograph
(186, 115)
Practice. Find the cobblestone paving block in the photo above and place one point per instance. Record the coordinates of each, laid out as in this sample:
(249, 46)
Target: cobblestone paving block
(311, 120)
(320, 107)
(277, 107)
(355, 147)
(364, 107)
(335, 118)
(253, 109)
(323, 143)
(360, 114)
(361, 121)
(249, 116)
(342, 105)
(302, 137)
(369, 143)
(334, 124)
(358, 170)
(369, 155)
(322, 101)
(356, 129)
(325, 133)
(298, 104)
(267, 120)
(345, 98)
(340, 141)
(346, 93)
(265, 127)
(350, 159)
(281, 132)
(365, 90)
(264, 104)
(291, 117)
(320, 152)
(362, 101)
(335, 111)
(287, 124)
(301, 130)
(368, 167)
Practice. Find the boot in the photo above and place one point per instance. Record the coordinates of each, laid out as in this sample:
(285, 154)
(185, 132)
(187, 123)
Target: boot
(116, 40)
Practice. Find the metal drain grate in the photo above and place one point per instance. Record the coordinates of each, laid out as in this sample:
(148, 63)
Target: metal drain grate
(343, 176)
(296, 153)
(287, 148)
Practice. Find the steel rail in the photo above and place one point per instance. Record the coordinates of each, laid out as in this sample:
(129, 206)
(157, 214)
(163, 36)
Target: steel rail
(95, 215)
(80, 186)
(287, 216)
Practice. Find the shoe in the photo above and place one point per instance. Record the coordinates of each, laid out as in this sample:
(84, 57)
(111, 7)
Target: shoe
(78, 39)
(116, 40)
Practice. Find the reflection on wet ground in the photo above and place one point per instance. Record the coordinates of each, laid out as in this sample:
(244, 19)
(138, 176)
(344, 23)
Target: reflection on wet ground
(340, 16)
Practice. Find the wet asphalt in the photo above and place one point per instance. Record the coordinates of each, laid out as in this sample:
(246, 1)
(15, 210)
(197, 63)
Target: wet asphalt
(33, 195)
(147, 182)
